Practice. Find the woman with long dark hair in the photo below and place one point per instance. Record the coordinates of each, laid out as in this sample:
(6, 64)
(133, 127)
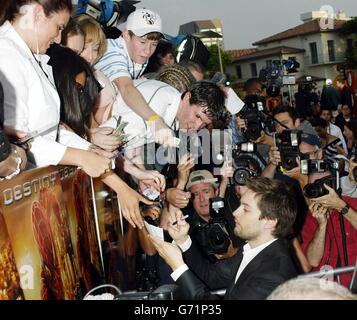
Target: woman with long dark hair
(350, 133)
(77, 87)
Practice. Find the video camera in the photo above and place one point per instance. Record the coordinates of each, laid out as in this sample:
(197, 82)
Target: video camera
(192, 48)
(288, 144)
(216, 230)
(273, 74)
(109, 13)
(257, 119)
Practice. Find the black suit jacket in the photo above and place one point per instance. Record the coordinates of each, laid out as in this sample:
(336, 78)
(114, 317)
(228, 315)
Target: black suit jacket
(271, 267)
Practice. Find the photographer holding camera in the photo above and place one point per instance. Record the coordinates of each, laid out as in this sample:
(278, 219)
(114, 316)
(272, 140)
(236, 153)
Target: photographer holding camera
(323, 240)
(248, 118)
(287, 119)
(210, 228)
(329, 234)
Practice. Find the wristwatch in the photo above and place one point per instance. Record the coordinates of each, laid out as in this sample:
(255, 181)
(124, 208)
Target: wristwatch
(345, 209)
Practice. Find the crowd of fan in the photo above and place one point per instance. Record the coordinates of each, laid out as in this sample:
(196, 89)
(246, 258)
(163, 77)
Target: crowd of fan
(66, 90)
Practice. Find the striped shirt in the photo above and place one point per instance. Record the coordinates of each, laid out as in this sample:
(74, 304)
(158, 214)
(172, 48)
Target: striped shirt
(116, 61)
(331, 149)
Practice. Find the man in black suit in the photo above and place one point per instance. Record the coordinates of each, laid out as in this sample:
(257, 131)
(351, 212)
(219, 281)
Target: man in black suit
(265, 216)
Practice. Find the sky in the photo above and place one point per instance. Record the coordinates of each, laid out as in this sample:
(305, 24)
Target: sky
(244, 22)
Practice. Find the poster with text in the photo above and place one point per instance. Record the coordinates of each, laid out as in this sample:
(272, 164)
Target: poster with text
(77, 193)
(37, 224)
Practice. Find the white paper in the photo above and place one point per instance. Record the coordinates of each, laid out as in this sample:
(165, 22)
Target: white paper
(233, 103)
(154, 231)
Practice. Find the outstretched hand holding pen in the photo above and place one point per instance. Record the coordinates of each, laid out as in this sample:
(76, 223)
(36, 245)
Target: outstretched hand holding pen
(177, 226)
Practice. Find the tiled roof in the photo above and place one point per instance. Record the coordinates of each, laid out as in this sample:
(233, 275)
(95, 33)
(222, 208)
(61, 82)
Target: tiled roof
(240, 52)
(310, 27)
(269, 52)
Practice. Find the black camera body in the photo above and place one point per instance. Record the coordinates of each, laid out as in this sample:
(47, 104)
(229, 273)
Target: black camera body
(317, 189)
(216, 230)
(245, 167)
(244, 164)
(252, 112)
(288, 144)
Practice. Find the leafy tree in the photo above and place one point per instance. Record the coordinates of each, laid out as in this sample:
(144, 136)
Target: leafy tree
(213, 62)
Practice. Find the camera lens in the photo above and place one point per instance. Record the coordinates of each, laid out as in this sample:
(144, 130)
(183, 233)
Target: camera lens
(240, 176)
(289, 163)
(218, 238)
(314, 190)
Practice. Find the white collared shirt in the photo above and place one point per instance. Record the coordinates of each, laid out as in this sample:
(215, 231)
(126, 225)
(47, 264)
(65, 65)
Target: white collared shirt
(163, 99)
(249, 254)
(31, 101)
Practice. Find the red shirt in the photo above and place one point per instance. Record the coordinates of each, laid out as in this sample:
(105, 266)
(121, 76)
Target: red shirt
(333, 240)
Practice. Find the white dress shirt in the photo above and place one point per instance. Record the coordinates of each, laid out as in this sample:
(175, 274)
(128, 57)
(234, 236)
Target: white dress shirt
(249, 254)
(163, 99)
(31, 100)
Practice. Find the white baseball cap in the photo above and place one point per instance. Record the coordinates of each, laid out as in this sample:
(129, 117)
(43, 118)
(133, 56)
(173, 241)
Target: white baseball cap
(143, 21)
(328, 82)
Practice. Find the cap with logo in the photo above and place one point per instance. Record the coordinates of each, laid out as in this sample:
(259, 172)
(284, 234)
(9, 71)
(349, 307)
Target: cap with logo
(201, 176)
(143, 21)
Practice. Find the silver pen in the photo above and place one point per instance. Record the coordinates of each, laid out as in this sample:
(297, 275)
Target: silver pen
(183, 218)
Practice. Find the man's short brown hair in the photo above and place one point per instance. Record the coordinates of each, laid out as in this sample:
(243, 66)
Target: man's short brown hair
(154, 36)
(276, 201)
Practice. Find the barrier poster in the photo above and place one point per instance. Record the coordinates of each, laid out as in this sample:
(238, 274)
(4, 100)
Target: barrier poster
(77, 193)
(37, 223)
(9, 277)
(111, 236)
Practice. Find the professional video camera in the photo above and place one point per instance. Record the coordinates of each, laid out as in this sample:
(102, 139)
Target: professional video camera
(288, 144)
(317, 189)
(192, 48)
(257, 119)
(216, 230)
(307, 84)
(244, 164)
(108, 12)
(273, 74)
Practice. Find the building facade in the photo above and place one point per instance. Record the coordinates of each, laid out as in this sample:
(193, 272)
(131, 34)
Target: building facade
(317, 47)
